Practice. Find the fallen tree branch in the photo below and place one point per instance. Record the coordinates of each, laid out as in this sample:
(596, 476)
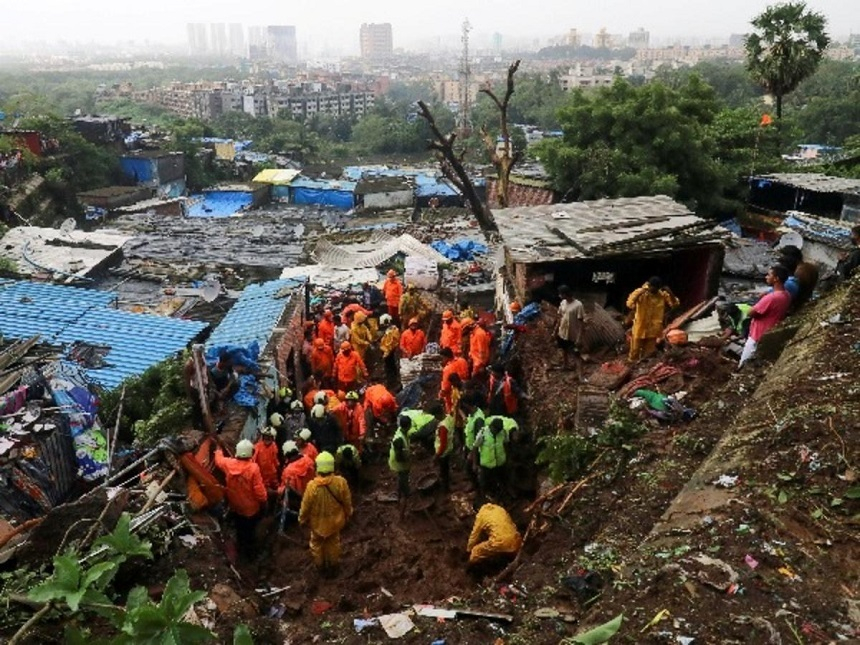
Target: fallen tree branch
(35, 618)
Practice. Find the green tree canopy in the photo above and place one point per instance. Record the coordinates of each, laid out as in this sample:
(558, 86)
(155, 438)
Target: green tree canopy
(625, 141)
(785, 47)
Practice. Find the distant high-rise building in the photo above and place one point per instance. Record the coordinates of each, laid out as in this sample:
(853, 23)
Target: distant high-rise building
(497, 42)
(377, 42)
(198, 42)
(639, 39)
(602, 39)
(281, 43)
(573, 38)
(237, 39)
(218, 37)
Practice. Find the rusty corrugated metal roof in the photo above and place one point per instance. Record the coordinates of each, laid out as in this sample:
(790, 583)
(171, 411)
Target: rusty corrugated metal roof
(600, 228)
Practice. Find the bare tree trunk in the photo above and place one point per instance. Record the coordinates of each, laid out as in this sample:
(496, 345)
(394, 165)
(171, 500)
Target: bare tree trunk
(503, 159)
(452, 167)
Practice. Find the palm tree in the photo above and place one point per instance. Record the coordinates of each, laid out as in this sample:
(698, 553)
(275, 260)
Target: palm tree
(786, 46)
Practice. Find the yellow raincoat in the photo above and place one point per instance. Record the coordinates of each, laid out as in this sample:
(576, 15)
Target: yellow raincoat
(326, 508)
(494, 534)
(390, 341)
(649, 313)
(361, 337)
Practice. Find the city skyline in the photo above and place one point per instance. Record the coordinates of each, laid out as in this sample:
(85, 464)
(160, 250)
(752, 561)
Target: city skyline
(163, 22)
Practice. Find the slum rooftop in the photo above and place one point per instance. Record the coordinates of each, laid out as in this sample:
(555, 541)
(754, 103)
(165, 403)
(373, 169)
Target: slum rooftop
(814, 181)
(599, 228)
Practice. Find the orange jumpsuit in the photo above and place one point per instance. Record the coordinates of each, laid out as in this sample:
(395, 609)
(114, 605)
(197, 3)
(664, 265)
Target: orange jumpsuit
(392, 289)
(457, 366)
(452, 337)
(380, 401)
(246, 492)
(325, 330)
(349, 370)
(266, 457)
(412, 342)
(322, 360)
(479, 348)
(297, 475)
(354, 424)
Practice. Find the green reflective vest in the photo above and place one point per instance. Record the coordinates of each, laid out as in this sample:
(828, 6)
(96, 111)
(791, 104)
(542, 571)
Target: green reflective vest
(393, 463)
(448, 422)
(508, 424)
(419, 419)
(491, 448)
(469, 430)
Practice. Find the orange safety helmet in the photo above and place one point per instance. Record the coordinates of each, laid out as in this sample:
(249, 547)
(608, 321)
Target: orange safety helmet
(447, 315)
(346, 345)
(319, 342)
(676, 337)
(516, 307)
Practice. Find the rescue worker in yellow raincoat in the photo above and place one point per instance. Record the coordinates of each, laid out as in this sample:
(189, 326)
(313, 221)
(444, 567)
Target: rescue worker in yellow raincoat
(360, 334)
(649, 304)
(494, 536)
(326, 508)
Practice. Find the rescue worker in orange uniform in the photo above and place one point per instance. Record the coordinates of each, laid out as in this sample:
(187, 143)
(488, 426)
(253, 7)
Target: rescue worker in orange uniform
(325, 328)
(326, 508)
(303, 441)
(451, 365)
(298, 472)
(349, 369)
(392, 289)
(380, 409)
(480, 342)
(322, 360)
(494, 537)
(503, 394)
(355, 424)
(266, 457)
(413, 340)
(452, 333)
(246, 493)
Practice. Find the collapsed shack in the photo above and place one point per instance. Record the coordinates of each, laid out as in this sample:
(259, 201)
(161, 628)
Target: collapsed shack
(609, 247)
(834, 198)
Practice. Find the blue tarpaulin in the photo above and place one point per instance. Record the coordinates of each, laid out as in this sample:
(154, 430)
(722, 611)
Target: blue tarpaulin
(140, 169)
(460, 251)
(220, 203)
(245, 357)
(336, 194)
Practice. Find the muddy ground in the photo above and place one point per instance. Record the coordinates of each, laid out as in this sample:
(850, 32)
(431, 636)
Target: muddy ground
(772, 559)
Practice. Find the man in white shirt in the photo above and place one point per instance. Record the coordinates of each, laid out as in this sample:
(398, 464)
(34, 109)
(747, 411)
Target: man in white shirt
(568, 333)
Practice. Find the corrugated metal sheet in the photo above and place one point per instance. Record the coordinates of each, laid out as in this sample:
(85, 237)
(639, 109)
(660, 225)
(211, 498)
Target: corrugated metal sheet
(599, 228)
(819, 229)
(137, 341)
(63, 315)
(255, 314)
(379, 248)
(811, 181)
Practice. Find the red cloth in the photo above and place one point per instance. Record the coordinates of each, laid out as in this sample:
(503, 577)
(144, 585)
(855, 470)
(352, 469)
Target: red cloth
(246, 492)
(297, 474)
(412, 342)
(266, 457)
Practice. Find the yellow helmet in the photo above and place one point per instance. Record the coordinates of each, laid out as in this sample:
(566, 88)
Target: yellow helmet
(359, 317)
(325, 463)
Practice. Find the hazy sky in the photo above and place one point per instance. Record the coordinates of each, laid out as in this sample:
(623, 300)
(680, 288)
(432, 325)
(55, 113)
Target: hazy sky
(335, 23)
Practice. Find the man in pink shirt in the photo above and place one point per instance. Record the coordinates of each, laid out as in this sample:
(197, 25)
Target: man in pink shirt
(768, 311)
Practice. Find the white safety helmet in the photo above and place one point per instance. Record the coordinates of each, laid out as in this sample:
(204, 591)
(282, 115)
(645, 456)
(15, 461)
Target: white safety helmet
(269, 430)
(290, 448)
(305, 434)
(385, 319)
(321, 397)
(318, 411)
(276, 419)
(297, 406)
(244, 449)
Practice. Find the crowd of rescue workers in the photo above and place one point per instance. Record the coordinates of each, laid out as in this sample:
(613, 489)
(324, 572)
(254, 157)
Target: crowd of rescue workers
(309, 458)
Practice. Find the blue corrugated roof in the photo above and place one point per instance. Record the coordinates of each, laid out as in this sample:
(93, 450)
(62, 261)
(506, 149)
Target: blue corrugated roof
(254, 316)
(63, 315)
